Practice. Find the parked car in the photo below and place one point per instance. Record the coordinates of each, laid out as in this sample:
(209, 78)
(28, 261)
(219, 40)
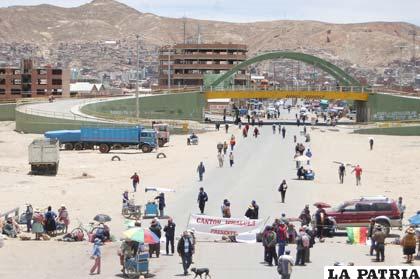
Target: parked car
(359, 212)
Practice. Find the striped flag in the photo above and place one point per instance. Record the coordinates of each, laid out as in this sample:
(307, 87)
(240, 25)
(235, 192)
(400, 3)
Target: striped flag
(357, 235)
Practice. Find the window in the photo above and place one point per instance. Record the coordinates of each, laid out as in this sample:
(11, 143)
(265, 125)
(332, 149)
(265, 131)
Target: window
(363, 207)
(16, 91)
(381, 207)
(42, 71)
(57, 82)
(2, 71)
(2, 81)
(57, 71)
(349, 207)
(42, 81)
(41, 91)
(17, 72)
(2, 91)
(17, 81)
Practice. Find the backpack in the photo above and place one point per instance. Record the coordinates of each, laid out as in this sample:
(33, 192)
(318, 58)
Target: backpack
(305, 241)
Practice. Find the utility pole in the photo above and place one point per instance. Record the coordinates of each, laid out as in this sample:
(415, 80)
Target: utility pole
(137, 77)
(414, 34)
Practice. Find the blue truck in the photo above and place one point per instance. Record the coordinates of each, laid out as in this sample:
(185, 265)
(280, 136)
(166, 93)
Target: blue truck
(106, 138)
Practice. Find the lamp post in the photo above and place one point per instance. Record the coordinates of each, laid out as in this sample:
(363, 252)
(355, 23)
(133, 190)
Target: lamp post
(137, 78)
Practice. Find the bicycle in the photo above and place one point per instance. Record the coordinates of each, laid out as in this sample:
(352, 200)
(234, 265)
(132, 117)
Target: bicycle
(81, 229)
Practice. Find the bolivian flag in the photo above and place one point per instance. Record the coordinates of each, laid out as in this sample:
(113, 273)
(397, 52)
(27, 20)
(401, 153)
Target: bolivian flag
(357, 235)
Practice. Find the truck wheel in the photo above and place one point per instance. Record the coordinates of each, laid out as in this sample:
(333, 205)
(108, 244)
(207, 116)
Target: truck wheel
(68, 146)
(104, 148)
(161, 142)
(78, 146)
(146, 148)
(88, 146)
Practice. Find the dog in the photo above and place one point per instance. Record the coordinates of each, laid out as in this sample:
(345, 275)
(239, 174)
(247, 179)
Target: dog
(200, 272)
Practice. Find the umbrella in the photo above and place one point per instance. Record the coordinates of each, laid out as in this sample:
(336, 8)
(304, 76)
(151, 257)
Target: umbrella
(102, 218)
(141, 235)
(322, 205)
(415, 220)
(302, 158)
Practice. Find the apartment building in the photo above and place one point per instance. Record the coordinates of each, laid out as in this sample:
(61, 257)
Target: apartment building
(190, 62)
(28, 81)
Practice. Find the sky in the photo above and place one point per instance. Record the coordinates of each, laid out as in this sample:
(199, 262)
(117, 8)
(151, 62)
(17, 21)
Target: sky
(335, 11)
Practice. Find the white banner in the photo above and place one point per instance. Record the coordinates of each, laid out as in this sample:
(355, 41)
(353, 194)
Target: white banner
(224, 226)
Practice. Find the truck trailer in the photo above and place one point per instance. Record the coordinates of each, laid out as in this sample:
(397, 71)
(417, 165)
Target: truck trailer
(106, 138)
(44, 156)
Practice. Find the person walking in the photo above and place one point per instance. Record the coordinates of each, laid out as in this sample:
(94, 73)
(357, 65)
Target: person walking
(310, 234)
(282, 237)
(270, 243)
(185, 249)
(157, 230)
(285, 264)
(371, 232)
(217, 126)
(96, 255)
(379, 237)
(371, 143)
(320, 217)
(302, 242)
(201, 170)
(220, 159)
(225, 147)
(227, 128)
(232, 142)
(309, 155)
(358, 171)
(305, 216)
(409, 244)
(341, 173)
(29, 214)
(202, 199)
(231, 159)
(283, 132)
(256, 132)
(274, 128)
(136, 180)
(219, 147)
(63, 217)
(169, 230)
(401, 207)
(294, 138)
(161, 203)
(226, 209)
(282, 189)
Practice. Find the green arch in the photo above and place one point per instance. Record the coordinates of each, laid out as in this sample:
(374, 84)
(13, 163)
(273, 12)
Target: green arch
(336, 72)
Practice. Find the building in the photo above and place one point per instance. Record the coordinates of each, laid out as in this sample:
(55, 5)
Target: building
(87, 89)
(29, 81)
(190, 62)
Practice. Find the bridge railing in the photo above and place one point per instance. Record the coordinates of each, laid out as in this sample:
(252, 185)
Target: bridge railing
(308, 88)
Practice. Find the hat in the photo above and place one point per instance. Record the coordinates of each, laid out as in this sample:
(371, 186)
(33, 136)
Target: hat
(410, 230)
(63, 206)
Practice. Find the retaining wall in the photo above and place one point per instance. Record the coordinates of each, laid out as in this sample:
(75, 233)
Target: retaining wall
(7, 112)
(385, 107)
(392, 131)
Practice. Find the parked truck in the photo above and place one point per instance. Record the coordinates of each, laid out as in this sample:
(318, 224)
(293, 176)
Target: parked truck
(162, 130)
(44, 156)
(106, 138)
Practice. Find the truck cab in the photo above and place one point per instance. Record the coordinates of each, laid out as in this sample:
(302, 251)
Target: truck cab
(148, 140)
(162, 131)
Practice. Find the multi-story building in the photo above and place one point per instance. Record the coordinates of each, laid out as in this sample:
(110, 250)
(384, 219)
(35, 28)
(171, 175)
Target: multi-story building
(190, 62)
(29, 81)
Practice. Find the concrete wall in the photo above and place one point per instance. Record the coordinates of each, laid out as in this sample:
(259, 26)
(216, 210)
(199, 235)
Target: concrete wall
(384, 107)
(179, 106)
(392, 131)
(7, 112)
(29, 123)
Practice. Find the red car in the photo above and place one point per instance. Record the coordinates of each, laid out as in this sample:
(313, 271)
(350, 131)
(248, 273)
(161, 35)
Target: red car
(358, 212)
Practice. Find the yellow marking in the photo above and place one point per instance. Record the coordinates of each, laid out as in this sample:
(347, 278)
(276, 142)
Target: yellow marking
(282, 94)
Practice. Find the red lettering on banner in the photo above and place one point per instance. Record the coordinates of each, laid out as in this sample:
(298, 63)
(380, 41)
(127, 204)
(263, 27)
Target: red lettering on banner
(222, 232)
(208, 221)
(243, 223)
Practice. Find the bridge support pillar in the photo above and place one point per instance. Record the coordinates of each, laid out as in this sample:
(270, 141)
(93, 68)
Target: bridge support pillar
(362, 114)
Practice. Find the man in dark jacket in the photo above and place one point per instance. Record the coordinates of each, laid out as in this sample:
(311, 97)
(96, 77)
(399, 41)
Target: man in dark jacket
(202, 199)
(250, 212)
(161, 203)
(270, 242)
(201, 170)
(169, 230)
(256, 209)
(156, 229)
(185, 250)
(379, 238)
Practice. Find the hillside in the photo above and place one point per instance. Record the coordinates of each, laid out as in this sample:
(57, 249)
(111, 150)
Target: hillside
(368, 45)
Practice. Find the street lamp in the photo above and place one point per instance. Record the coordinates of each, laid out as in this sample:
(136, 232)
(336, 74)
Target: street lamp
(137, 78)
